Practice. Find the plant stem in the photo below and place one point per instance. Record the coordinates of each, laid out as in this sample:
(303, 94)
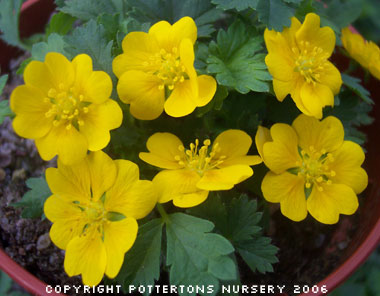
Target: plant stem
(164, 215)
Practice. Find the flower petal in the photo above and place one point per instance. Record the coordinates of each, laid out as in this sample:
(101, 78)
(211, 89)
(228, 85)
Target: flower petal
(287, 189)
(206, 89)
(141, 91)
(119, 237)
(283, 88)
(262, 136)
(163, 148)
(67, 220)
(99, 121)
(82, 64)
(232, 143)
(86, 255)
(97, 87)
(282, 153)
(130, 196)
(331, 77)
(325, 206)
(190, 199)
(61, 69)
(102, 173)
(225, 178)
(311, 32)
(182, 100)
(173, 183)
(37, 74)
(280, 67)
(315, 97)
(347, 161)
(327, 134)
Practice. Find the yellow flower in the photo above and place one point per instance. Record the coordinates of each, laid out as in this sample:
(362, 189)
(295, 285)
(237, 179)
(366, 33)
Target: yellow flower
(312, 168)
(298, 61)
(159, 65)
(367, 54)
(94, 208)
(190, 174)
(65, 107)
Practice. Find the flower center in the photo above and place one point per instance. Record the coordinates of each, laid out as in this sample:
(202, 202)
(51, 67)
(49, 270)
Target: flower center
(315, 168)
(309, 61)
(67, 107)
(200, 159)
(170, 68)
(95, 212)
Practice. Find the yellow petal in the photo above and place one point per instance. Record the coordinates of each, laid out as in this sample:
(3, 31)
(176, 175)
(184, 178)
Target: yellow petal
(283, 88)
(138, 47)
(141, 90)
(311, 32)
(130, 196)
(102, 173)
(61, 69)
(173, 183)
(86, 255)
(280, 67)
(287, 189)
(38, 75)
(163, 148)
(190, 200)
(282, 153)
(325, 206)
(262, 136)
(206, 89)
(182, 100)
(67, 220)
(331, 77)
(327, 134)
(232, 143)
(32, 125)
(70, 145)
(99, 121)
(82, 64)
(225, 178)
(246, 160)
(186, 51)
(72, 181)
(347, 161)
(98, 87)
(315, 97)
(119, 237)
(169, 36)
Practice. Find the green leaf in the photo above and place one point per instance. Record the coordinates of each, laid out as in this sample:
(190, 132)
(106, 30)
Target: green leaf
(89, 9)
(349, 11)
(235, 60)
(216, 103)
(91, 39)
(5, 283)
(203, 12)
(5, 111)
(3, 82)
(275, 14)
(353, 83)
(142, 263)
(258, 253)
(239, 5)
(195, 256)
(55, 43)
(33, 201)
(9, 20)
(60, 23)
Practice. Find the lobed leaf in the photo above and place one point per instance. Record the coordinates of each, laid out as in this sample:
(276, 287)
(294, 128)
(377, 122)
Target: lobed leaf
(9, 22)
(353, 83)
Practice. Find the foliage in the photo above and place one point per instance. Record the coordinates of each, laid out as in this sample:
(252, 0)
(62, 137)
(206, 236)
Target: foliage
(32, 202)
(5, 111)
(9, 20)
(6, 286)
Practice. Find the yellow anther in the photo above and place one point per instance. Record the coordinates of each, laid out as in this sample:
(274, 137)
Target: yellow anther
(76, 112)
(81, 97)
(66, 111)
(68, 127)
(329, 182)
(161, 86)
(171, 86)
(182, 79)
(52, 93)
(332, 174)
(207, 142)
(64, 116)
(307, 185)
(319, 179)
(181, 148)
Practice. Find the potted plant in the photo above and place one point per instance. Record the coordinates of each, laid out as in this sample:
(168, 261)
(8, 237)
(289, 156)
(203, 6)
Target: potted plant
(235, 101)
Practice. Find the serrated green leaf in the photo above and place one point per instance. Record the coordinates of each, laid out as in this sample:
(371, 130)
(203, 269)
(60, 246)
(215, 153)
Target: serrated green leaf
(142, 263)
(353, 83)
(89, 9)
(239, 5)
(9, 20)
(60, 23)
(5, 111)
(91, 39)
(223, 268)
(55, 43)
(235, 60)
(194, 254)
(33, 201)
(203, 12)
(258, 253)
(275, 14)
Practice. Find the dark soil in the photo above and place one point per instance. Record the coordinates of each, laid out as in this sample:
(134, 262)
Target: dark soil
(308, 250)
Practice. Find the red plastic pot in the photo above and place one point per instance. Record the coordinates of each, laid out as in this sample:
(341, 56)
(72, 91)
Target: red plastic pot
(34, 15)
